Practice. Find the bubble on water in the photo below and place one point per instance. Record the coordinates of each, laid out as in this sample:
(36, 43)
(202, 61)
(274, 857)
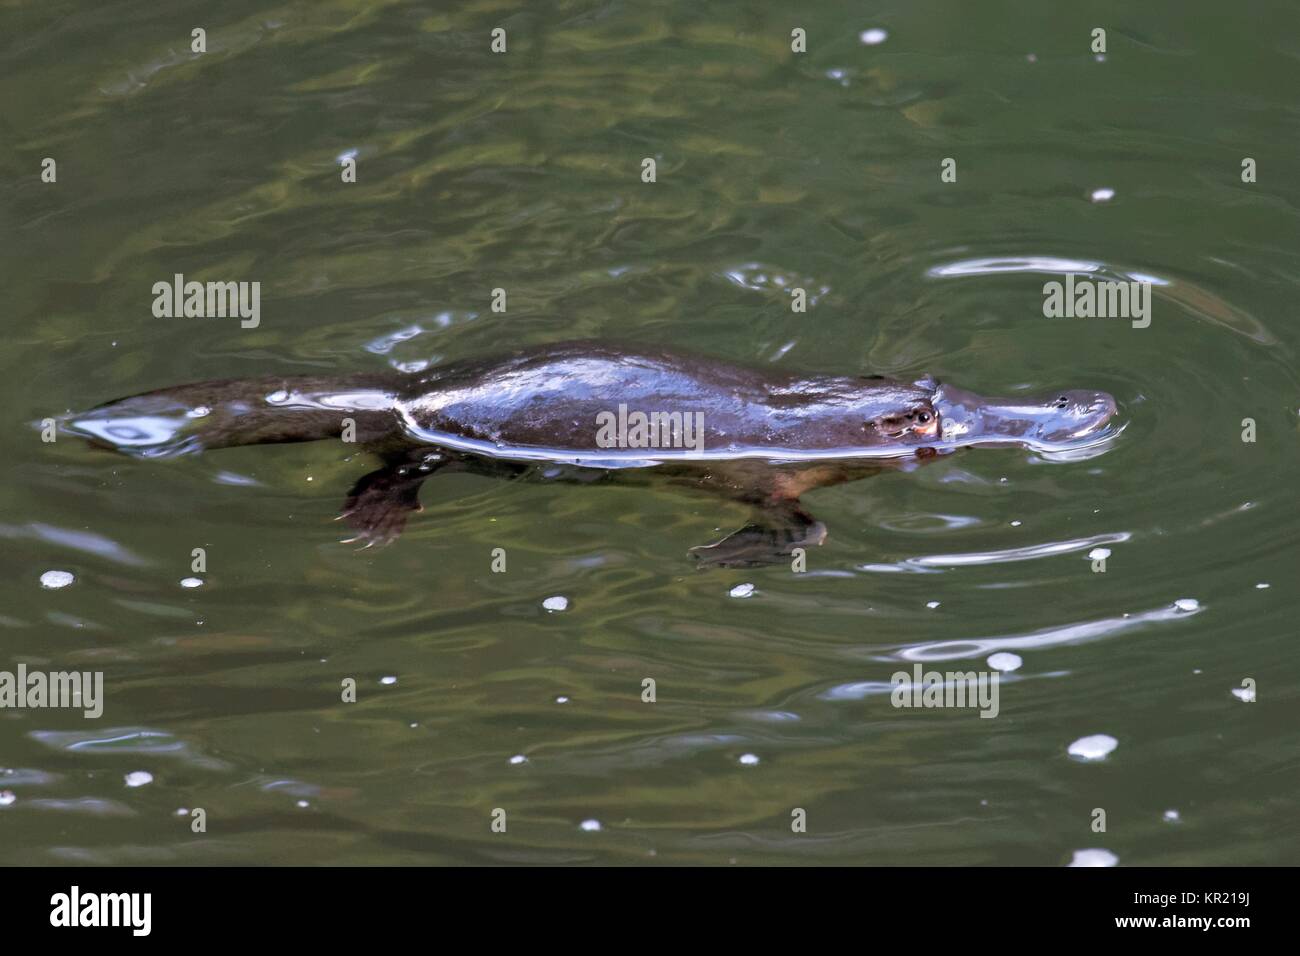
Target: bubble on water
(749, 760)
(518, 759)
(1094, 747)
(1031, 57)
(57, 579)
(932, 604)
(201, 411)
(182, 811)
(561, 700)
(742, 591)
(556, 603)
(7, 798)
(1262, 585)
(1172, 816)
(1005, 661)
(1103, 194)
(302, 804)
(1015, 524)
(873, 37)
(1100, 57)
(1094, 858)
(388, 680)
(138, 778)
(278, 396)
(589, 826)
(191, 582)
(1099, 554)
(839, 76)
(1244, 694)
(1187, 604)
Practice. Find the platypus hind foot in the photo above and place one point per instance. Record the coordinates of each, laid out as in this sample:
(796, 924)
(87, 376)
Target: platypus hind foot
(380, 502)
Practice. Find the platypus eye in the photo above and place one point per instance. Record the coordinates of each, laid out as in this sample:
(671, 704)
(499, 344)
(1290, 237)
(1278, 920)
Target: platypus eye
(923, 417)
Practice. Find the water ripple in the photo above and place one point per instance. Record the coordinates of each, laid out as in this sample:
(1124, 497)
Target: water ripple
(1200, 302)
(928, 563)
(1082, 632)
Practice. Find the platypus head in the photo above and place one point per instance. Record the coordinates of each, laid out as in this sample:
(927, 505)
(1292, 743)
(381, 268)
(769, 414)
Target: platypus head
(1053, 420)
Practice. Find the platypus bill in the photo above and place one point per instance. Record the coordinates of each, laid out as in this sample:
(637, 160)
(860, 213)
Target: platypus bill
(585, 410)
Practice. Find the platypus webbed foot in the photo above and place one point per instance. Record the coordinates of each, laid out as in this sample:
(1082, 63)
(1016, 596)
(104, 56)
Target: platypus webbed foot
(768, 541)
(380, 502)
(377, 508)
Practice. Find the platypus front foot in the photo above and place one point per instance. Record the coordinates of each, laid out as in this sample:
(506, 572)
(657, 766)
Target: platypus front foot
(770, 541)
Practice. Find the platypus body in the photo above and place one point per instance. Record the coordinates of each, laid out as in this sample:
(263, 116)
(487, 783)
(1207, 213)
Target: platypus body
(587, 410)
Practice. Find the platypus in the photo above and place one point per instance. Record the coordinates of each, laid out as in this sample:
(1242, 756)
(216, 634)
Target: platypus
(591, 410)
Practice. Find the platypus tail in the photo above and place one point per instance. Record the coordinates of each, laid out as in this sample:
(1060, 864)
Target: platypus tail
(228, 412)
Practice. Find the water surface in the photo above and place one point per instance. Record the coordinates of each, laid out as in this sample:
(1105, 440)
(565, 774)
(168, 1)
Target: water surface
(775, 170)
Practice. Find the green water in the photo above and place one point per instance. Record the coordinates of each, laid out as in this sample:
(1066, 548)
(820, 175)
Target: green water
(522, 171)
